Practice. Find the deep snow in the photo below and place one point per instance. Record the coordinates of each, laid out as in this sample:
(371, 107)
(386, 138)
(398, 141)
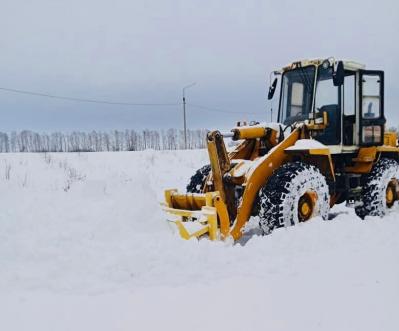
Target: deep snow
(83, 246)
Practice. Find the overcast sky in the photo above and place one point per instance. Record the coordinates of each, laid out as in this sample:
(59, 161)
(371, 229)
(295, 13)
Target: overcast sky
(146, 51)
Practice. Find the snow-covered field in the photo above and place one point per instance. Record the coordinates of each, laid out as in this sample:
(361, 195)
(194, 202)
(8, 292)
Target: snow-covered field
(83, 246)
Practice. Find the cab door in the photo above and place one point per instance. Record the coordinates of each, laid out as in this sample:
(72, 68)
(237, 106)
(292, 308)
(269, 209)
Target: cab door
(371, 107)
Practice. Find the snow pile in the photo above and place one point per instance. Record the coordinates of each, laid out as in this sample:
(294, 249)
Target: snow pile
(303, 144)
(83, 246)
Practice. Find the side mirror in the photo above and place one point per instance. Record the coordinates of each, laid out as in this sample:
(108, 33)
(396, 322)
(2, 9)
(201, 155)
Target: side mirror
(339, 74)
(272, 89)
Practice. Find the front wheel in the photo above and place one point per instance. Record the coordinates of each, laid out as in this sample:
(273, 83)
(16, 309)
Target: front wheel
(197, 181)
(295, 193)
(379, 189)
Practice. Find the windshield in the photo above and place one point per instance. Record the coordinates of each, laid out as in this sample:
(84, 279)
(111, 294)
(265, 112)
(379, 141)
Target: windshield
(297, 94)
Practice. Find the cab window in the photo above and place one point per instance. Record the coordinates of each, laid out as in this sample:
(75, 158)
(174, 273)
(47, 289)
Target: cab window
(297, 94)
(326, 92)
(371, 96)
(327, 101)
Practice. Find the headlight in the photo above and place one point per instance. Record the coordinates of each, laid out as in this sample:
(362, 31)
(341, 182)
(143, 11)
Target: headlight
(325, 64)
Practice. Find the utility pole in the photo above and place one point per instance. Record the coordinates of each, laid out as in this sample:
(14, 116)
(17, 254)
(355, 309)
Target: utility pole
(184, 113)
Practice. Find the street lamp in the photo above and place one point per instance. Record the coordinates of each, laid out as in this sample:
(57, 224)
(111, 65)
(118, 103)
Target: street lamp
(184, 113)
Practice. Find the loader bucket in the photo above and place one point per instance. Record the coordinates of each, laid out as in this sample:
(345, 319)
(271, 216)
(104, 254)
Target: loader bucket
(196, 215)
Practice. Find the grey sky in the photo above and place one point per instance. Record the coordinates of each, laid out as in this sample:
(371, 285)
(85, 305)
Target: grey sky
(146, 51)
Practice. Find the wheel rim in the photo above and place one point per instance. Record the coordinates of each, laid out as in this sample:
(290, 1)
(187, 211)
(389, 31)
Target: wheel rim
(391, 194)
(306, 206)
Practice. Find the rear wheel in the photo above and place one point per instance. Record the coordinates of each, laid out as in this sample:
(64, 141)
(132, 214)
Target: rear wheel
(379, 189)
(295, 193)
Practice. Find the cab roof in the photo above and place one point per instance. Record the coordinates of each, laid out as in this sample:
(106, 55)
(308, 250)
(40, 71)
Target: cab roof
(348, 64)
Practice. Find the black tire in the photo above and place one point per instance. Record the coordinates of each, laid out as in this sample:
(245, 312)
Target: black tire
(280, 197)
(197, 181)
(374, 187)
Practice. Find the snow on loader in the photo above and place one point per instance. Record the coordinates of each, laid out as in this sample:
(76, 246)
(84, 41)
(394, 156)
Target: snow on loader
(329, 146)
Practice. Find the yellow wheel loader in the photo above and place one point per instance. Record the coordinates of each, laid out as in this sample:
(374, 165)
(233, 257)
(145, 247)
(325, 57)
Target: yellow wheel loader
(329, 146)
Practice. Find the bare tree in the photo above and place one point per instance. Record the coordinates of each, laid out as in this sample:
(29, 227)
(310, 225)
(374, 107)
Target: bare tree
(128, 140)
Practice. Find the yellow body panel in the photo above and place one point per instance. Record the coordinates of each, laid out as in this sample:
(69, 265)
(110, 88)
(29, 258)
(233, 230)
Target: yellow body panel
(387, 149)
(390, 139)
(364, 161)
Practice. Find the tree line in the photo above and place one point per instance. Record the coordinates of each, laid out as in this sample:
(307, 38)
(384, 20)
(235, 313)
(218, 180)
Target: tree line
(99, 141)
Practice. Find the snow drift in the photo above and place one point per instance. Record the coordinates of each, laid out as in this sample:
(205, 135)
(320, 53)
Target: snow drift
(84, 246)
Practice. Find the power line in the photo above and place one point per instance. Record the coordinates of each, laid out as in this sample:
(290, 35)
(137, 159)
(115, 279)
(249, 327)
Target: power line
(220, 110)
(85, 100)
(59, 97)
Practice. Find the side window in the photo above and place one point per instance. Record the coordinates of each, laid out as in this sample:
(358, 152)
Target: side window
(297, 99)
(371, 96)
(372, 134)
(327, 93)
(349, 95)
(372, 119)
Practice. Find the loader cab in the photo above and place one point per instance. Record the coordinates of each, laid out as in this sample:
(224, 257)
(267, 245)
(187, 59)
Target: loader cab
(354, 103)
